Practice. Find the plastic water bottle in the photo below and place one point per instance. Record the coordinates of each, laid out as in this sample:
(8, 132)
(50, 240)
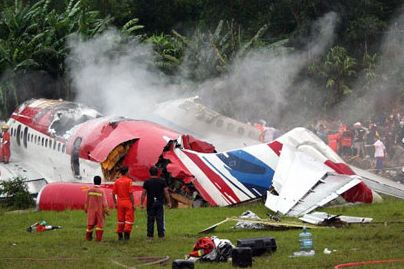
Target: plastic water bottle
(306, 241)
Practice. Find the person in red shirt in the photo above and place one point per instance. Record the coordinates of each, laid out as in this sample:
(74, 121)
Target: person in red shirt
(124, 202)
(96, 208)
(5, 144)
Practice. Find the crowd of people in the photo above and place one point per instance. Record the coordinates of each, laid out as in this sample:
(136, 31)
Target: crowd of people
(374, 138)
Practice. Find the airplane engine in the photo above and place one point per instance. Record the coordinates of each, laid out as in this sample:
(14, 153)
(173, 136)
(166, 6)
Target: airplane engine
(65, 196)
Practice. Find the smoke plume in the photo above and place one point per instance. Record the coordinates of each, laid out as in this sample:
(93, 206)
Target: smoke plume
(118, 77)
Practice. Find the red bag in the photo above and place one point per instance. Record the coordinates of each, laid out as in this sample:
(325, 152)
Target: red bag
(203, 246)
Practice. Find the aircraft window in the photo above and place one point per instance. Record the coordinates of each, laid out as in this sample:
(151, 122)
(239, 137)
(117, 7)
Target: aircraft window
(12, 131)
(230, 127)
(75, 157)
(240, 130)
(29, 138)
(25, 136)
(18, 135)
(46, 143)
(43, 141)
(58, 146)
(63, 148)
(219, 123)
(54, 145)
(50, 143)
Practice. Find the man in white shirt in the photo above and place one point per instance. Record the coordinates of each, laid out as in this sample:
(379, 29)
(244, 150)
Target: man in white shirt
(379, 154)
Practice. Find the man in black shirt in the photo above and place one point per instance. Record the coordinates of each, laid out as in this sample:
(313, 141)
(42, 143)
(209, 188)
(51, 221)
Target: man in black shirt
(156, 189)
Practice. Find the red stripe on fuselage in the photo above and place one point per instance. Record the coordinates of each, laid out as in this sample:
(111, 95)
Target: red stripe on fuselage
(204, 193)
(216, 179)
(276, 147)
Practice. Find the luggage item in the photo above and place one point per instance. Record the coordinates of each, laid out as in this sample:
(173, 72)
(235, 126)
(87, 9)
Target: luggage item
(241, 256)
(182, 264)
(258, 245)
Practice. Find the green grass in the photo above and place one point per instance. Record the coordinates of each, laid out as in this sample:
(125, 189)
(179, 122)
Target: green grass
(355, 243)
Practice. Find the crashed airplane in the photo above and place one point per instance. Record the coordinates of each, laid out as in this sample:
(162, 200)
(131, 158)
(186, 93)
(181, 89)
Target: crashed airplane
(59, 146)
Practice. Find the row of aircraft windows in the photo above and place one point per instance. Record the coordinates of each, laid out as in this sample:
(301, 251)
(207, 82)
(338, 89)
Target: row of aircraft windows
(37, 139)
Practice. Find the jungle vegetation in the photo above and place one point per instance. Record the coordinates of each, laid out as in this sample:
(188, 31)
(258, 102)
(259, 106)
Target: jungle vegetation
(34, 34)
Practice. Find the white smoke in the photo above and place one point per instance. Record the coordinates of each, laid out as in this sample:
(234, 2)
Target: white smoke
(116, 76)
(257, 83)
(381, 91)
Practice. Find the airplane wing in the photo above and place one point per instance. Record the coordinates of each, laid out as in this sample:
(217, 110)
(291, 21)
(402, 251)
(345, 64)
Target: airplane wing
(34, 180)
(380, 184)
(303, 184)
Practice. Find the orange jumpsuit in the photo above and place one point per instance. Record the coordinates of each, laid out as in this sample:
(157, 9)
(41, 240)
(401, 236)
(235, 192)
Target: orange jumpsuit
(5, 147)
(96, 206)
(126, 216)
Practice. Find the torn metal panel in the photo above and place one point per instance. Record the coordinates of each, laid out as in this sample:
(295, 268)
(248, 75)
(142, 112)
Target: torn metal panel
(189, 116)
(247, 224)
(267, 223)
(298, 171)
(120, 134)
(303, 184)
(226, 178)
(322, 192)
(68, 115)
(323, 218)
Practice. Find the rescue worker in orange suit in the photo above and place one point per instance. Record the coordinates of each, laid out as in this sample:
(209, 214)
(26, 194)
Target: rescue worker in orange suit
(5, 144)
(124, 202)
(156, 190)
(96, 208)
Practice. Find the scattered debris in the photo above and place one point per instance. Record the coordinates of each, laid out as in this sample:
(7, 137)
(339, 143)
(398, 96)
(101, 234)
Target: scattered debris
(211, 249)
(303, 253)
(41, 226)
(247, 224)
(324, 219)
(327, 251)
(267, 223)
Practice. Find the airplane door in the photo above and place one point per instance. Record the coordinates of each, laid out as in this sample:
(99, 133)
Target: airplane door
(18, 136)
(75, 157)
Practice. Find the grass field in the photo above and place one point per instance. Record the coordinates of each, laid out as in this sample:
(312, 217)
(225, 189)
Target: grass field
(66, 248)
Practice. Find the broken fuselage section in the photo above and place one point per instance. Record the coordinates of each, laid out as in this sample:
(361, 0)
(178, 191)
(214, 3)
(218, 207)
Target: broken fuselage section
(57, 143)
(66, 143)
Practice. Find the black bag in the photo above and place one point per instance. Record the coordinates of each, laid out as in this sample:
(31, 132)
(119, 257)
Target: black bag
(258, 245)
(182, 264)
(241, 256)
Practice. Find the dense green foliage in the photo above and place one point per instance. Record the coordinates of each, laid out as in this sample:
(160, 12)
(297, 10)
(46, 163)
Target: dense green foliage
(15, 194)
(200, 40)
